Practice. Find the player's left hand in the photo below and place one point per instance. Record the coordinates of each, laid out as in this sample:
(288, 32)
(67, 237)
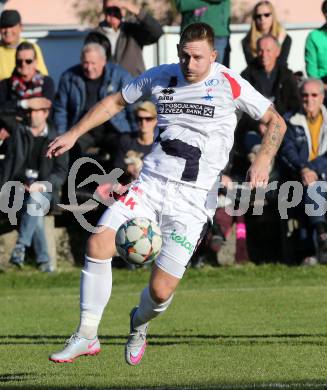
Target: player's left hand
(258, 173)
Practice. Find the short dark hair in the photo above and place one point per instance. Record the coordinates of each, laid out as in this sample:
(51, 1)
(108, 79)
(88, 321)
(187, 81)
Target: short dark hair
(198, 32)
(114, 11)
(101, 39)
(26, 46)
(324, 7)
(10, 18)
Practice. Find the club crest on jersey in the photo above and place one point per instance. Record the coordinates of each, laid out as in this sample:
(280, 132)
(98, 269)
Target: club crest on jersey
(186, 108)
(167, 92)
(208, 97)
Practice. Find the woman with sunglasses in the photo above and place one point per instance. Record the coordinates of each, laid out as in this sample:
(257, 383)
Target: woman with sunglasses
(264, 22)
(27, 88)
(146, 117)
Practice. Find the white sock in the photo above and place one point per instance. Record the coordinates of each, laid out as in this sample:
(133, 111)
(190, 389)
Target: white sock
(148, 308)
(95, 290)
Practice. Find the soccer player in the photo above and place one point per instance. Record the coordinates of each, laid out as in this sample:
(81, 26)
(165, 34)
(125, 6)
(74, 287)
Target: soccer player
(197, 101)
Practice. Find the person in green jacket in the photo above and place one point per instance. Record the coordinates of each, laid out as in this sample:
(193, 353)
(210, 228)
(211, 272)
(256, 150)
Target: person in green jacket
(216, 13)
(316, 52)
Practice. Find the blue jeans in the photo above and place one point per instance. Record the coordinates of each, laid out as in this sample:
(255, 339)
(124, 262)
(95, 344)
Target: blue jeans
(31, 228)
(223, 48)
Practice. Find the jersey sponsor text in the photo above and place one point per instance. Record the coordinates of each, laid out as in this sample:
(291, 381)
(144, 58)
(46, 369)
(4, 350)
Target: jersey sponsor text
(186, 108)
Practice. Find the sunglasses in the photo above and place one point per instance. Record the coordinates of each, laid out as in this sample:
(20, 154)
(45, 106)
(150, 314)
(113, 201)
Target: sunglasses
(145, 118)
(309, 94)
(259, 16)
(28, 61)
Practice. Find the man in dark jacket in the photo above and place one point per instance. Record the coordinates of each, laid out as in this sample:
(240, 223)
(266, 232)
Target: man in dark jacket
(25, 161)
(26, 85)
(276, 82)
(127, 37)
(304, 154)
(273, 80)
(81, 87)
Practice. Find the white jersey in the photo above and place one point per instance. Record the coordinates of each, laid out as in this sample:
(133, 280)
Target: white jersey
(196, 122)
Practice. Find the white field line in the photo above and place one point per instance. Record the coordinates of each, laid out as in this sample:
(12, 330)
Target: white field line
(228, 289)
(118, 289)
(267, 385)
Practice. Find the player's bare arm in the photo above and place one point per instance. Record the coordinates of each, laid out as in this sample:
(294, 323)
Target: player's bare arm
(274, 134)
(272, 139)
(100, 113)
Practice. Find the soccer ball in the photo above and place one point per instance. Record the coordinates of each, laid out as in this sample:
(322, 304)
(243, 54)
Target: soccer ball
(138, 241)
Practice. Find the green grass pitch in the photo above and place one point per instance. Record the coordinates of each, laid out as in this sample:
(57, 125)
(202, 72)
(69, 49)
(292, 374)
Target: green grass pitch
(252, 327)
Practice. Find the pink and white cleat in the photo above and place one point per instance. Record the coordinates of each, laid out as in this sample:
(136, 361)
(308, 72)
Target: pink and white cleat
(136, 343)
(76, 346)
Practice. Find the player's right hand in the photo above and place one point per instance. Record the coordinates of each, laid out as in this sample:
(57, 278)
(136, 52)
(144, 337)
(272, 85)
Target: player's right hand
(61, 144)
(258, 173)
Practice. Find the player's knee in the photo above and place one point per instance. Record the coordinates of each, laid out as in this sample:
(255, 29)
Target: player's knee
(93, 246)
(98, 248)
(160, 292)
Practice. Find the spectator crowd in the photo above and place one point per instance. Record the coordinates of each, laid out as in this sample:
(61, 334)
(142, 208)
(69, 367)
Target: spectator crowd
(33, 112)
